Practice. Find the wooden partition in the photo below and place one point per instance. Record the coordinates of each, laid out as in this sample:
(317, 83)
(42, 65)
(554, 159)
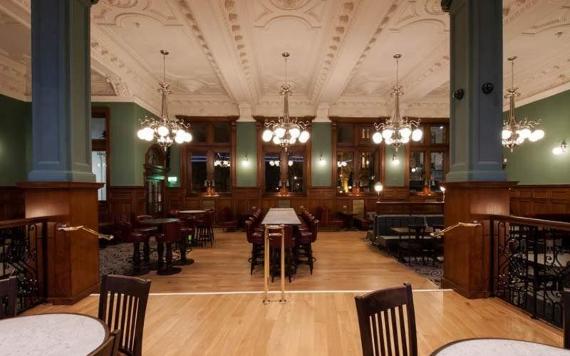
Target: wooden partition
(531, 200)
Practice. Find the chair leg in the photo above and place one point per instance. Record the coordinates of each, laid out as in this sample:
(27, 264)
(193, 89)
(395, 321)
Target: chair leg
(146, 252)
(136, 254)
(310, 256)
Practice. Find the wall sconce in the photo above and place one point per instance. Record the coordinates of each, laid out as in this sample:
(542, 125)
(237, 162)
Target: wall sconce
(378, 188)
(560, 150)
(322, 161)
(395, 160)
(172, 179)
(443, 189)
(245, 161)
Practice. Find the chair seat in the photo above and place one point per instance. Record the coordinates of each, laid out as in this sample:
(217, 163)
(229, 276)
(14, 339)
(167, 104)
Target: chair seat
(136, 237)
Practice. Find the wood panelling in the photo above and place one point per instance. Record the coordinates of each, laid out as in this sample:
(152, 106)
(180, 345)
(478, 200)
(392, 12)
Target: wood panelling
(529, 200)
(72, 257)
(11, 203)
(125, 202)
(466, 266)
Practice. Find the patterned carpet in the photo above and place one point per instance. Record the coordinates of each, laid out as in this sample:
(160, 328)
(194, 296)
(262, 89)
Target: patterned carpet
(432, 272)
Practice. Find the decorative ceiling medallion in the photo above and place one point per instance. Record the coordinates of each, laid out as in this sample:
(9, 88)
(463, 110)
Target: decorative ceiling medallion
(123, 4)
(289, 4)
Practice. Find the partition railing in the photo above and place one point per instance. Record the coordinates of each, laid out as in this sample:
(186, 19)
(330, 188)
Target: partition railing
(23, 246)
(531, 264)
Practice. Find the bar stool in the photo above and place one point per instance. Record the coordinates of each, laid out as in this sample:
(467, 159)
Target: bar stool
(170, 234)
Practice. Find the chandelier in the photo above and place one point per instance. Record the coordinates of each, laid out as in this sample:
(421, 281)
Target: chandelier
(164, 131)
(286, 130)
(397, 130)
(515, 133)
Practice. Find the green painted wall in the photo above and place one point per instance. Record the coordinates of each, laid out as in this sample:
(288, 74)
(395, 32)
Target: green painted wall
(127, 151)
(15, 140)
(321, 150)
(174, 165)
(534, 163)
(394, 173)
(246, 147)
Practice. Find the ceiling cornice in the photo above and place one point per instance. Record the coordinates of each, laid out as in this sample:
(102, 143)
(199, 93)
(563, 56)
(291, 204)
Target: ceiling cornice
(446, 5)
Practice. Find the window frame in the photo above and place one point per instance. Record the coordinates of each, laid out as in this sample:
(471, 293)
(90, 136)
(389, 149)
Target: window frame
(427, 147)
(210, 147)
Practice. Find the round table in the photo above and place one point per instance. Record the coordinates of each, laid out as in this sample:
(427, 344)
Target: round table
(498, 347)
(51, 335)
(192, 212)
(168, 268)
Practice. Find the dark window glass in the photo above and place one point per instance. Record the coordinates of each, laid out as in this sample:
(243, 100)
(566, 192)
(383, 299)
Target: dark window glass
(437, 170)
(199, 171)
(417, 170)
(438, 134)
(345, 170)
(367, 177)
(222, 132)
(271, 161)
(199, 132)
(222, 172)
(365, 133)
(295, 173)
(98, 130)
(345, 134)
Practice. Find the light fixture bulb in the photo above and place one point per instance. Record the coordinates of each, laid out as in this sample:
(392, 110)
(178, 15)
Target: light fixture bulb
(506, 134)
(179, 138)
(387, 134)
(276, 140)
(557, 151)
(267, 135)
(304, 136)
(417, 135)
(405, 132)
(378, 187)
(294, 132)
(280, 132)
(377, 138)
(524, 133)
(163, 131)
(536, 135)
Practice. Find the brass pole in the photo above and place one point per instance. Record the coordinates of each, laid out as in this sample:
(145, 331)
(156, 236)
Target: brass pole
(283, 264)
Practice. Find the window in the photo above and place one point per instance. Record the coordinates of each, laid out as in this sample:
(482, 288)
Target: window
(272, 172)
(209, 157)
(100, 150)
(296, 172)
(357, 158)
(428, 159)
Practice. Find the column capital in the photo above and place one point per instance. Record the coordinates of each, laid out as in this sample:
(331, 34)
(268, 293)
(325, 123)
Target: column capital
(446, 5)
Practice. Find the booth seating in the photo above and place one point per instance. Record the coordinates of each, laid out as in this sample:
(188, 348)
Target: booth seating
(385, 238)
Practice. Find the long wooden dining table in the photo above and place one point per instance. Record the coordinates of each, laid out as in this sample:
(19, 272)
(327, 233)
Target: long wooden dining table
(275, 220)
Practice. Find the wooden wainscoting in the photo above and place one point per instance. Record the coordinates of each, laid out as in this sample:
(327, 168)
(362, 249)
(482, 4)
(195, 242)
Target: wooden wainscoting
(529, 200)
(125, 202)
(11, 203)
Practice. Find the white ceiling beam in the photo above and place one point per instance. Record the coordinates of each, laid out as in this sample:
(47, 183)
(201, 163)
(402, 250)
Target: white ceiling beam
(360, 32)
(211, 19)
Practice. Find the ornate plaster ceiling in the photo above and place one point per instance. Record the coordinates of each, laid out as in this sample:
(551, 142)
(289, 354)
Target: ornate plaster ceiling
(226, 54)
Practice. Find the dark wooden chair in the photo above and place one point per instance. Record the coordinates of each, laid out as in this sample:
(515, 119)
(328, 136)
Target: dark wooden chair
(380, 313)
(304, 242)
(171, 234)
(566, 309)
(122, 306)
(229, 221)
(8, 297)
(110, 347)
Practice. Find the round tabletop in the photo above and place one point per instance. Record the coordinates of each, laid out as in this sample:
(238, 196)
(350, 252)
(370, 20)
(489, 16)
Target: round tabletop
(191, 211)
(498, 347)
(159, 221)
(51, 334)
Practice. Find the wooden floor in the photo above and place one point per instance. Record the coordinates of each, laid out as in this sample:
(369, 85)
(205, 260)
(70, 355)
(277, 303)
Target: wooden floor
(181, 322)
(310, 323)
(344, 262)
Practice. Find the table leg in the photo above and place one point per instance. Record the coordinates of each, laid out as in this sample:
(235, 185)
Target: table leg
(266, 266)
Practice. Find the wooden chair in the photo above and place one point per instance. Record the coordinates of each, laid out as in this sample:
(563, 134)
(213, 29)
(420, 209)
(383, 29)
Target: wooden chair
(122, 305)
(380, 315)
(8, 297)
(566, 317)
(110, 347)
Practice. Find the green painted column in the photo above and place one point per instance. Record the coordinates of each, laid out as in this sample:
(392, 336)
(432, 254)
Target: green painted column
(15, 122)
(321, 150)
(246, 150)
(61, 91)
(476, 66)
(394, 166)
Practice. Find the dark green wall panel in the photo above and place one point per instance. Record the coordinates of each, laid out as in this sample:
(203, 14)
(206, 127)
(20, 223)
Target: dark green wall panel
(15, 140)
(534, 163)
(321, 150)
(246, 160)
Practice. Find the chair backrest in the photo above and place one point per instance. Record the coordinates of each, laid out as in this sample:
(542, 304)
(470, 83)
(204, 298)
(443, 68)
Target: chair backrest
(172, 232)
(385, 327)
(8, 297)
(566, 321)
(110, 347)
(276, 242)
(248, 230)
(122, 305)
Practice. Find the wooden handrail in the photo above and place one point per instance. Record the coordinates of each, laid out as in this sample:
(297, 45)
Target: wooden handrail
(559, 225)
(27, 221)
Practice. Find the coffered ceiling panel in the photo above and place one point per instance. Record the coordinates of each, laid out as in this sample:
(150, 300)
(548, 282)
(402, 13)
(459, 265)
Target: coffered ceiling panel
(226, 54)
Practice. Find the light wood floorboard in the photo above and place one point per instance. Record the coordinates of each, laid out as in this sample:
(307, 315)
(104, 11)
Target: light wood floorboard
(344, 262)
(310, 323)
